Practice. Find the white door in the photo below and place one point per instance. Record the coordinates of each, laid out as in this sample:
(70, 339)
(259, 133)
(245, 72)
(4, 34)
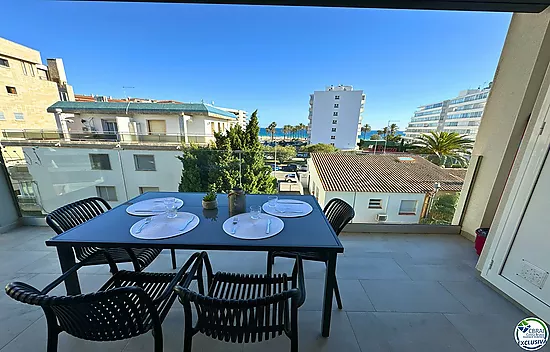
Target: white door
(519, 255)
(528, 262)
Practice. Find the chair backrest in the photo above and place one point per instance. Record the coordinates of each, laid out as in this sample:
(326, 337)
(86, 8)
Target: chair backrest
(237, 318)
(339, 214)
(74, 214)
(110, 315)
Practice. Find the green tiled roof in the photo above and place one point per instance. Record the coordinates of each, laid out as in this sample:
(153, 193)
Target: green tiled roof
(145, 108)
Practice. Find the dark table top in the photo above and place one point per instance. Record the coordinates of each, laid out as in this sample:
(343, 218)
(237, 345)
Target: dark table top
(112, 229)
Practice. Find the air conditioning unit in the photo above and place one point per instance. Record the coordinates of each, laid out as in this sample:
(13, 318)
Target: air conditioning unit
(381, 217)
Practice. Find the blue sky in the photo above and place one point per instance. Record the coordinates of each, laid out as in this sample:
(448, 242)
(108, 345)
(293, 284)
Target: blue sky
(265, 58)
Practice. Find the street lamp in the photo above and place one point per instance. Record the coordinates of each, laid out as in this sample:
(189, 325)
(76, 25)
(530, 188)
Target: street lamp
(386, 139)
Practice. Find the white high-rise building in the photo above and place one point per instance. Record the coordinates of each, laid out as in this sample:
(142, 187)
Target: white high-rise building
(335, 116)
(461, 114)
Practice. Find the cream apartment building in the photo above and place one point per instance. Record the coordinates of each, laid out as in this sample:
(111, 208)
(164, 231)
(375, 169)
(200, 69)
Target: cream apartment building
(28, 87)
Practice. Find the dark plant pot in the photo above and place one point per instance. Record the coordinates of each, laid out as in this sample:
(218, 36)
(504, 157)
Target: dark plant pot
(209, 205)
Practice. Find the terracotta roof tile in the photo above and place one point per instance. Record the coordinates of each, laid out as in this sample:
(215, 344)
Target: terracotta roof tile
(387, 173)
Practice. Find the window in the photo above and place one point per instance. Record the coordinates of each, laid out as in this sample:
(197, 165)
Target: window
(336, 97)
(107, 192)
(144, 162)
(335, 113)
(11, 90)
(31, 69)
(408, 207)
(334, 129)
(148, 189)
(100, 162)
(2, 116)
(24, 67)
(332, 137)
(336, 106)
(332, 144)
(334, 122)
(18, 116)
(4, 62)
(375, 203)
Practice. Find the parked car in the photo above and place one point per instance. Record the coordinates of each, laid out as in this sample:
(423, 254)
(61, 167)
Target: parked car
(291, 178)
(290, 168)
(274, 168)
(303, 168)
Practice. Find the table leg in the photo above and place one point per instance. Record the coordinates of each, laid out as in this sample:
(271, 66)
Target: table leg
(67, 261)
(330, 281)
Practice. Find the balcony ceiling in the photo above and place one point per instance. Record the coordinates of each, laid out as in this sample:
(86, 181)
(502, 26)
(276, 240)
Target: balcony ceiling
(458, 5)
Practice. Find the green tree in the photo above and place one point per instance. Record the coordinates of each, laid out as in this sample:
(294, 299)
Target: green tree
(303, 129)
(286, 130)
(271, 129)
(444, 147)
(283, 153)
(319, 148)
(443, 209)
(236, 157)
(375, 137)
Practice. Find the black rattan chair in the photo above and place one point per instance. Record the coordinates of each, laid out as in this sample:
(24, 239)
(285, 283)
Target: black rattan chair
(127, 305)
(74, 214)
(339, 214)
(239, 307)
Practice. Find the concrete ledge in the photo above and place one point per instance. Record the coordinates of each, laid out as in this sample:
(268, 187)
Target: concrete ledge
(404, 228)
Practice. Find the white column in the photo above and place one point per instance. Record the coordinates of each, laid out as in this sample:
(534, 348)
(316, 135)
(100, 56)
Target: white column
(62, 127)
(184, 120)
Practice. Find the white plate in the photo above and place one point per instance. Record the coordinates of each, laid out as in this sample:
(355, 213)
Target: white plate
(162, 227)
(249, 229)
(150, 207)
(288, 208)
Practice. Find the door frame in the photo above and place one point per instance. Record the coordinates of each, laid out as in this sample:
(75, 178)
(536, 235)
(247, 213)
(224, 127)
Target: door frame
(505, 230)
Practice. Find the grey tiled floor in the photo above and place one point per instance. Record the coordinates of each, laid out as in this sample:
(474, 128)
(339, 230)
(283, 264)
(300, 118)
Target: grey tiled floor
(400, 293)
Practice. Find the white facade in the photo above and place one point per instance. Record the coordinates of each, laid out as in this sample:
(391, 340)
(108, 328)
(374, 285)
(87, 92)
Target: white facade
(64, 175)
(461, 115)
(195, 128)
(365, 204)
(242, 116)
(335, 116)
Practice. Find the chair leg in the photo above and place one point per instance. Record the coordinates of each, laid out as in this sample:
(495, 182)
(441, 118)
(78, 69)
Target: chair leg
(337, 294)
(270, 262)
(294, 328)
(158, 342)
(173, 254)
(187, 342)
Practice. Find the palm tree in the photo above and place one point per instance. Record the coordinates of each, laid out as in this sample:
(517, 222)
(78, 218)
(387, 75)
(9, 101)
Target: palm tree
(271, 129)
(365, 129)
(286, 130)
(393, 129)
(439, 146)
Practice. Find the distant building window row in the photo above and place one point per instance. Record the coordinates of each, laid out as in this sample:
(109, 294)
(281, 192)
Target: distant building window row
(415, 130)
(422, 124)
(469, 107)
(432, 106)
(422, 113)
(11, 90)
(2, 116)
(28, 68)
(336, 106)
(334, 122)
(332, 137)
(469, 98)
(141, 162)
(336, 97)
(431, 118)
(18, 116)
(459, 131)
(465, 115)
(334, 129)
(4, 62)
(335, 113)
(451, 123)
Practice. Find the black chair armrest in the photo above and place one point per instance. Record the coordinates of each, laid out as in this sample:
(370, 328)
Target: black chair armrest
(79, 265)
(180, 278)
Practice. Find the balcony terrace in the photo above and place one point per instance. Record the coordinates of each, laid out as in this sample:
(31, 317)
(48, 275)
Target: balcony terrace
(399, 292)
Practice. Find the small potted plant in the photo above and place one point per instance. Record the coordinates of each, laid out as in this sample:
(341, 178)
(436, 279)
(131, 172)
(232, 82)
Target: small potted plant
(209, 201)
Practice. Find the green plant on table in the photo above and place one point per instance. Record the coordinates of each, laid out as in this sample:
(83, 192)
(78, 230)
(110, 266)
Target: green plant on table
(210, 196)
